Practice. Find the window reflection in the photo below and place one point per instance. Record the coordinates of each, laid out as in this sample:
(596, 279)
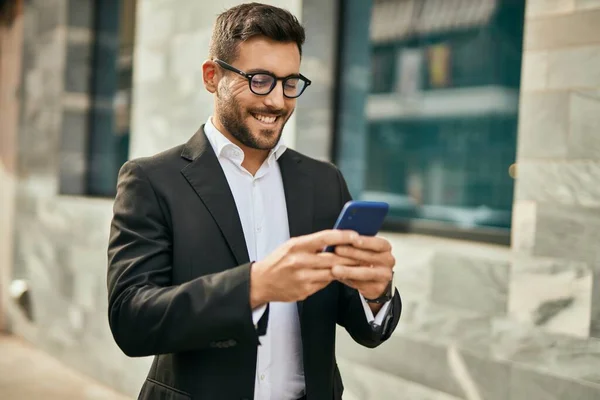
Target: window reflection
(95, 138)
(441, 112)
(112, 82)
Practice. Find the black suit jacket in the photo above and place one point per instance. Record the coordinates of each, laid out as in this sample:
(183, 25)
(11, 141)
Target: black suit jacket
(179, 275)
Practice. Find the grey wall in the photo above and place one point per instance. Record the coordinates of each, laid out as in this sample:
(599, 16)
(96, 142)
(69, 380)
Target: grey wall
(11, 36)
(60, 241)
(314, 112)
(479, 321)
(489, 322)
(170, 101)
(559, 141)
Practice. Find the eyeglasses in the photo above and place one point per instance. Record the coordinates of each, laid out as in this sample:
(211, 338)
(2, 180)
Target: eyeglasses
(262, 83)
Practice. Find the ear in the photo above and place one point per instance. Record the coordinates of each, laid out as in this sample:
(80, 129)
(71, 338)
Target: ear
(210, 75)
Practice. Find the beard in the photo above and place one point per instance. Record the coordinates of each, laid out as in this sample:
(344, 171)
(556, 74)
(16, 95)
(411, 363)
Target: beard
(232, 117)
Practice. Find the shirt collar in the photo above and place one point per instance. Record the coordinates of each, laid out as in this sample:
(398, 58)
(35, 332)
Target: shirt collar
(223, 147)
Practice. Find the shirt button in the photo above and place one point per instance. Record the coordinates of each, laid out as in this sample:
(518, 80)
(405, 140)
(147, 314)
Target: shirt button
(262, 377)
(258, 228)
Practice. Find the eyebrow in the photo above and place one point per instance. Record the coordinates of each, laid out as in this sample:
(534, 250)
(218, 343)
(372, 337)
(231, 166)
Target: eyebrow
(263, 71)
(258, 71)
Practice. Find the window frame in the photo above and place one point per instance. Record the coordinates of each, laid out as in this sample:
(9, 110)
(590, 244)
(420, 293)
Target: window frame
(481, 234)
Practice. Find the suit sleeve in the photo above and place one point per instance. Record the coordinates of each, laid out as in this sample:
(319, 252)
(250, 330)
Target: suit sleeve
(148, 315)
(351, 313)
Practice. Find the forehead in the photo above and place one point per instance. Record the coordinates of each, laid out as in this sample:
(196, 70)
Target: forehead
(260, 52)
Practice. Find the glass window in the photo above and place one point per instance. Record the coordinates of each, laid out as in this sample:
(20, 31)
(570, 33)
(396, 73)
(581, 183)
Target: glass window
(428, 107)
(95, 148)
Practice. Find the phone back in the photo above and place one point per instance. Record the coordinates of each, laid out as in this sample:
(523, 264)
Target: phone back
(364, 217)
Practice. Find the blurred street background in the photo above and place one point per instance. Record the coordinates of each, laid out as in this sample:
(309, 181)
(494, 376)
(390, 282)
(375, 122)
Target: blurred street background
(478, 121)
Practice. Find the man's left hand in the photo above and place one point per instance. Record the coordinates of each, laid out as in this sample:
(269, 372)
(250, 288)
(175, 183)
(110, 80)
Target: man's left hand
(373, 269)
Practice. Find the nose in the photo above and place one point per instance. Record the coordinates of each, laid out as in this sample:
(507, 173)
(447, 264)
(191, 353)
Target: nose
(275, 99)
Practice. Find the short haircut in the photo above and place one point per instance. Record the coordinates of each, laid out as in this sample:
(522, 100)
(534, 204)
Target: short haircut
(244, 21)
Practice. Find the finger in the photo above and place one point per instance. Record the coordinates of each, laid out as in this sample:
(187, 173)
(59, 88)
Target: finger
(362, 274)
(365, 257)
(373, 243)
(335, 259)
(316, 275)
(368, 257)
(316, 242)
(321, 260)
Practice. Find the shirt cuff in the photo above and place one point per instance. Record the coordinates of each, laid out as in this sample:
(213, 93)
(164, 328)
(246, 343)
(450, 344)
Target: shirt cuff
(383, 311)
(257, 313)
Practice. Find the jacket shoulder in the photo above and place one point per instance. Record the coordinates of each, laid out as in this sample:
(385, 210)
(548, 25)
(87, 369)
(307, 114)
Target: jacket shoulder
(314, 165)
(166, 160)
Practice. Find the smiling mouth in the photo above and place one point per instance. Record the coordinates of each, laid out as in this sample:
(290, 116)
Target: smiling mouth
(266, 119)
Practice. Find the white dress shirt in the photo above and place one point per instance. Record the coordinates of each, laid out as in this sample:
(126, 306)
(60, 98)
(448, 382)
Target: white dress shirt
(260, 202)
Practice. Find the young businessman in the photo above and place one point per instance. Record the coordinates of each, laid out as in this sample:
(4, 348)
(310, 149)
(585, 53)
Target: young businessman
(214, 262)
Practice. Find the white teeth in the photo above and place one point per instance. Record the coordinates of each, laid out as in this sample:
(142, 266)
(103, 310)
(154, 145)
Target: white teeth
(265, 119)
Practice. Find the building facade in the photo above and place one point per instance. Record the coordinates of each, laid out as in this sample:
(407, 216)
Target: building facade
(478, 121)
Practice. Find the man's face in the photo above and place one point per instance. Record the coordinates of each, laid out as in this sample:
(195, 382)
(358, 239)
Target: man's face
(257, 121)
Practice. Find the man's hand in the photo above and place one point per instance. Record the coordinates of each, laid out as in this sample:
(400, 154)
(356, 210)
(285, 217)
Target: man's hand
(374, 270)
(298, 268)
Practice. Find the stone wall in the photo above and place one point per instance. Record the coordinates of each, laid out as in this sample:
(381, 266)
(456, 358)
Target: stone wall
(489, 322)
(170, 102)
(60, 241)
(11, 36)
(559, 142)
(314, 111)
(479, 321)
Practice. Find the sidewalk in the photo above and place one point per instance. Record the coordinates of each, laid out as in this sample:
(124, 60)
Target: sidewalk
(30, 374)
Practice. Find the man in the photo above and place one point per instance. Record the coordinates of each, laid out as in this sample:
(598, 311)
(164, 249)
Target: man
(215, 262)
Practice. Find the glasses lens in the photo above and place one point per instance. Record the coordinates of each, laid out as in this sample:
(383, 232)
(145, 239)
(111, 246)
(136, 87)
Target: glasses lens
(261, 83)
(293, 87)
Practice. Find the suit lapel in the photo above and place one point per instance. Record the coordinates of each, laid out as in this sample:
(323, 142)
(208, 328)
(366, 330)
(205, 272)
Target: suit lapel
(298, 190)
(205, 175)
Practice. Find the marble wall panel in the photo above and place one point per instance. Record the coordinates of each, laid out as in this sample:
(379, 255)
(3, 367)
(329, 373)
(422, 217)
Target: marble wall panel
(559, 182)
(539, 8)
(584, 137)
(469, 282)
(578, 28)
(526, 384)
(364, 383)
(543, 118)
(554, 294)
(563, 356)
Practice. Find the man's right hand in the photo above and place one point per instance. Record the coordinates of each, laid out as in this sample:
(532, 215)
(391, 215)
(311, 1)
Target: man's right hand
(298, 268)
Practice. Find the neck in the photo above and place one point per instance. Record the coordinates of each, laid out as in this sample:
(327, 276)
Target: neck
(253, 158)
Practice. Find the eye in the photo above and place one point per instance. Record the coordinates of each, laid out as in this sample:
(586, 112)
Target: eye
(261, 81)
(291, 83)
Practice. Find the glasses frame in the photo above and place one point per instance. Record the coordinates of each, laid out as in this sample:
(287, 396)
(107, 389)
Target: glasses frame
(249, 77)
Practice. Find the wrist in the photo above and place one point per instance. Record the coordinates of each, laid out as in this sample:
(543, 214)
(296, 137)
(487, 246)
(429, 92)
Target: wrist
(257, 292)
(384, 297)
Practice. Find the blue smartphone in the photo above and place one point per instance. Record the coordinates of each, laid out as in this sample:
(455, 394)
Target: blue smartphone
(364, 217)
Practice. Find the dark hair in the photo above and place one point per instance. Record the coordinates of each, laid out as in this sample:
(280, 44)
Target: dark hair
(242, 22)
